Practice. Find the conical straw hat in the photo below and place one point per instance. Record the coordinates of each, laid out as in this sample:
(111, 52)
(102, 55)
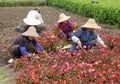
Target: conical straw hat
(31, 32)
(91, 24)
(31, 21)
(63, 17)
(32, 18)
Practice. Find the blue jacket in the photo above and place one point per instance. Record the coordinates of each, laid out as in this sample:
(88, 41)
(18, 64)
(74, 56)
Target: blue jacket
(85, 36)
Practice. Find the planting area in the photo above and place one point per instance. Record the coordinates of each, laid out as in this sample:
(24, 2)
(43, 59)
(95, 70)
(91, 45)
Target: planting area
(103, 67)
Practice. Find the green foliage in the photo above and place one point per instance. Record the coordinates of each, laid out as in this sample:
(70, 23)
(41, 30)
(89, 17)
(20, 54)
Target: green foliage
(106, 11)
(2, 70)
(22, 3)
(4, 76)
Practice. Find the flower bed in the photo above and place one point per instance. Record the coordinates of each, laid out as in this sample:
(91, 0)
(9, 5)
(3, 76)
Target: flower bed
(59, 67)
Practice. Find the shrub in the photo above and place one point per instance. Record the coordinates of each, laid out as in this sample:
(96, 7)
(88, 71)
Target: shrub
(101, 12)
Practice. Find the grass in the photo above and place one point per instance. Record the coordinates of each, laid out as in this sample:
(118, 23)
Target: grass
(4, 79)
(22, 2)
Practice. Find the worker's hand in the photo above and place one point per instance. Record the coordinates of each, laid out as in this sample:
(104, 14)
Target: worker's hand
(30, 55)
(105, 46)
(53, 36)
(79, 44)
(94, 41)
(38, 50)
(74, 31)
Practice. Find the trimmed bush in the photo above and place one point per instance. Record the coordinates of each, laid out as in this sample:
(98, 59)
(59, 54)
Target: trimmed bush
(103, 14)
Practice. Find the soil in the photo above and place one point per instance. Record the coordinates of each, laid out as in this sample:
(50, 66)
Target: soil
(10, 17)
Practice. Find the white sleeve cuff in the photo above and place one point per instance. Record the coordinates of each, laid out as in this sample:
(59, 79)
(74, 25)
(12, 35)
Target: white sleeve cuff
(75, 39)
(99, 40)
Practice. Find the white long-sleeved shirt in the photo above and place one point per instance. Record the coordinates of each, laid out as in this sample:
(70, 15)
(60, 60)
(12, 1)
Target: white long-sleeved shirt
(98, 39)
(35, 15)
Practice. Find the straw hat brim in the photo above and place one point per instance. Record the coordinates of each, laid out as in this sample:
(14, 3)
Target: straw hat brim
(28, 34)
(31, 32)
(31, 21)
(91, 26)
(63, 19)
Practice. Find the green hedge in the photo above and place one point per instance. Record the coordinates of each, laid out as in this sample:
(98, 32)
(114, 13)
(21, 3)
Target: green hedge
(9, 3)
(107, 15)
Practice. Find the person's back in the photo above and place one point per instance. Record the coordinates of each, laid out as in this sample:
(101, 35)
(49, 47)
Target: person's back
(33, 18)
(36, 15)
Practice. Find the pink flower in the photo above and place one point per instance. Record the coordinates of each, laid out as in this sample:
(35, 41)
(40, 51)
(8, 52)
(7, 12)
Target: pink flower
(91, 51)
(33, 54)
(95, 76)
(69, 55)
(112, 76)
(102, 50)
(103, 79)
(80, 65)
(55, 82)
(4, 46)
(104, 72)
(118, 66)
(46, 83)
(97, 62)
(91, 70)
(67, 65)
(54, 66)
(84, 47)
(77, 47)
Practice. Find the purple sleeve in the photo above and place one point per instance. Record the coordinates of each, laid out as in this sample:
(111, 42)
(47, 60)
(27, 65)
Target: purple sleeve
(71, 24)
(39, 47)
(23, 51)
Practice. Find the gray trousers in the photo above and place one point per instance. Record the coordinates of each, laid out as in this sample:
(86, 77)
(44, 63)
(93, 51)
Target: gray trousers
(23, 28)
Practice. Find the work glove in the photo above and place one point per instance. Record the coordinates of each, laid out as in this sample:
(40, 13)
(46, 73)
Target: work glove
(79, 43)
